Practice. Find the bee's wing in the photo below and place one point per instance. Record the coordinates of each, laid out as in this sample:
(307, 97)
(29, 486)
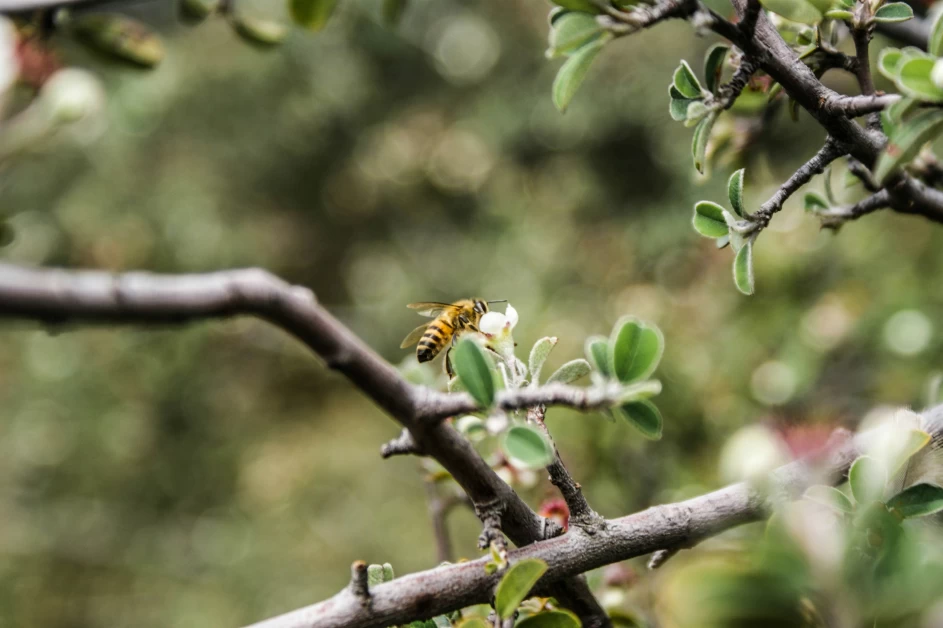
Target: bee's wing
(413, 336)
(431, 308)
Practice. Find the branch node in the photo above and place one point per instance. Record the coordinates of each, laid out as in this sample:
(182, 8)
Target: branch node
(359, 585)
(661, 557)
(402, 445)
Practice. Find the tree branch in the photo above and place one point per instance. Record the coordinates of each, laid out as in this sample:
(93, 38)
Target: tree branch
(441, 590)
(861, 34)
(58, 296)
(834, 218)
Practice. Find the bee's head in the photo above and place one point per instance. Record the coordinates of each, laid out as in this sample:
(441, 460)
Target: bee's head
(480, 306)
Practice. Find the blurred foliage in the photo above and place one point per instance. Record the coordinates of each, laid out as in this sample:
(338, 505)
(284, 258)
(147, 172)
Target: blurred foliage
(217, 474)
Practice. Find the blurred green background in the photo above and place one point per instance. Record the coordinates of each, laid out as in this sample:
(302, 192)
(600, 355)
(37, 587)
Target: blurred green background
(217, 474)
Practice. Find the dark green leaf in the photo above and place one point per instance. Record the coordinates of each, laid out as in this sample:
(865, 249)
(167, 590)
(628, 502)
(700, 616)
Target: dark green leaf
(735, 192)
(644, 416)
(528, 447)
(571, 74)
(830, 497)
(473, 368)
(894, 12)
(538, 355)
(597, 352)
(586, 6)
(686, 83)
(814, 202)
(311, 14)
(570, 372)
(714, 66)
(119, 36)
(907, 142)
(743, 269)
(702, 134)
(635, 350)
(200, 9)
(918, 500)
(678, 108)
(516, 584)
(867, 479)
(709, 220)
(551, 619)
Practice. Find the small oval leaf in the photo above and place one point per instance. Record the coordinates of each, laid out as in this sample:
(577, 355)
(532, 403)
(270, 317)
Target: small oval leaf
(311, 14)
(686, 83)
(814, 202)
(714, 65)
(516, 584)
(635, 350)
(743, 268)
(735, 192)
(918, 500)
(914, 78)
(801, 11)
(571, 74)
(259, 31)
(571, 31)
(473, 368)
(119, 36)
(830, 497)
(570, 372)
(867, 479)
(709, 220)
(702, 133)
(597, 352)
(527, 447)
(550, 619)
(538, 355)
(894, 12)
(935, 42)
(644, 416)
(907, 142)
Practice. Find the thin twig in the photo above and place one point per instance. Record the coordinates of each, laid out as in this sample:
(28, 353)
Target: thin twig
(836, 217)
(732, 89)
(861, 34)
(402, 445)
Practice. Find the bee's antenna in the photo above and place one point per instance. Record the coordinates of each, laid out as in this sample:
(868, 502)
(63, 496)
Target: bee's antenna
(498, 301)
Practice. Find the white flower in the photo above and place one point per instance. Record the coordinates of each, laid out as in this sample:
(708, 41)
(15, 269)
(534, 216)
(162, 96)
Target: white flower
(494, 323)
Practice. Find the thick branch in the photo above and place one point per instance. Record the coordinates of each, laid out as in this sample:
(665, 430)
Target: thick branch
(854, 106)
(441, 590)
(826, 155)
(58, 297)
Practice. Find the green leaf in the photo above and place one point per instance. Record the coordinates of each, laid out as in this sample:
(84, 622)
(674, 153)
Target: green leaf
(935, 42)
(571, 31)
(259, 31)
(696, 110)
(527, 447)
(709, 220)
(686, 83)
(570, 372)
(571, 74)
(931, 392)
(901, 447)
(585, 6)
(894, 12)
(311, 14)
(814, 202)
(644, 416)
(702, 134)
(597, 352)
(393, 11)
(635, 349)
(888, 62)
(120, 37)
(918, 500)
(479, 622)
(550, 619)
(516, 584)
(388, 572)
(538, 355)
(735, 192)
(830, 497)
(907, 142)
(200, 9)
(796, 10)
(839, 14)
(714, 66)
(678, 108)
(914, 79)
(867, 479)
(473, 368)
(743, 268)
(374, 575)
(641, 390)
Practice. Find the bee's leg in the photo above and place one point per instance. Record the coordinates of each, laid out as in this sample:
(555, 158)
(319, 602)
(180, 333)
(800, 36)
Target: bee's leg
(448, 363)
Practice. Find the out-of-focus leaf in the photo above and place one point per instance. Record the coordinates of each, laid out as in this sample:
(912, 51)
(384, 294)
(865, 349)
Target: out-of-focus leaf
(516, 584)
(570, 372)
(888, 62)
(907, 142)
(867, 479)
(586, 6)
(686, 82)
(119, 36)
(814, 202)
(894, 12)
(839, 14)
(573, 72)
(914, 79)
(200, 9)
(678, 108)
(644, 416)
(830, 497)
(526, 446)
(918, 500)
(256, 30)
(551, 619)
(735, 192)
(796, 10)
(935, 41)
(635, 349)
(474, 370)
(597, 352)
(571, 31)
(393, 11)
(743, 269)
(311, 14)
(695, 112)
(538, 355)
(714, 66)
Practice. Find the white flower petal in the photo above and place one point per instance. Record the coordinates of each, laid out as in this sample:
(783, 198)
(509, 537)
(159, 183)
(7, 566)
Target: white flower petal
(511, 315)
(492, 323)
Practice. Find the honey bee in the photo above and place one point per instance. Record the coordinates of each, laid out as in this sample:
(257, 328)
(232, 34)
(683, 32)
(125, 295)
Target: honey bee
(450, 319)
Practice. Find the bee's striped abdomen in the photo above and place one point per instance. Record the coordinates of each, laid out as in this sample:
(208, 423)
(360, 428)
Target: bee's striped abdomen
(437, 336)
